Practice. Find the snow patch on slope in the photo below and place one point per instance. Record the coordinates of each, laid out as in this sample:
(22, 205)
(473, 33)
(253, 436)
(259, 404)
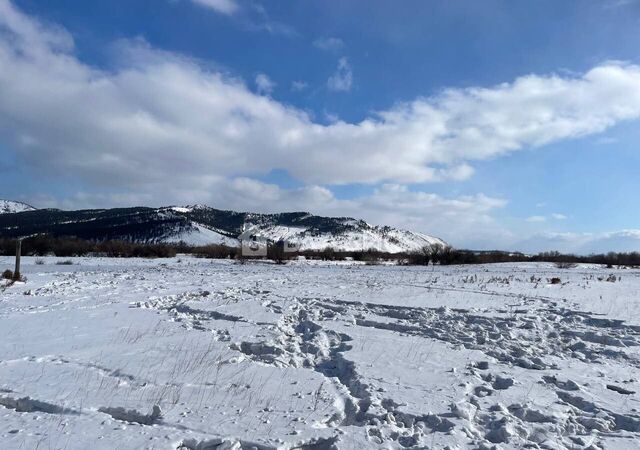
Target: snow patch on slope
(181, 209)
(385, 239)
(197, 235)
(9, 207)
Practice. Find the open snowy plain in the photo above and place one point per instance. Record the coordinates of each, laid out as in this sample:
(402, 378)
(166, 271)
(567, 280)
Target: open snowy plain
(191, 353)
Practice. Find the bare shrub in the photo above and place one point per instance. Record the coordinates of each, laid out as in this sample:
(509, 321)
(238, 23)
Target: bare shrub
(215, 251)
(276, 252)
(611, 278)
(9, 275)
(369, 257)
(328, 254)
(420, 257)
(566, 265)
(429, 253)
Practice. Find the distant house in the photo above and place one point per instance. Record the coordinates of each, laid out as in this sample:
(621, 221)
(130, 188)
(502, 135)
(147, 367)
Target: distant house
(290, 246)
(252, 243)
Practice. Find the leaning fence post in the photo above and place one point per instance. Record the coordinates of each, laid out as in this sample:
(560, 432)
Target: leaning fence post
(16, 273)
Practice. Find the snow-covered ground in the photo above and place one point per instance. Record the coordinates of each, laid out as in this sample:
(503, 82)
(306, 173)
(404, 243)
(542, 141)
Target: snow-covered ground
(191, 353)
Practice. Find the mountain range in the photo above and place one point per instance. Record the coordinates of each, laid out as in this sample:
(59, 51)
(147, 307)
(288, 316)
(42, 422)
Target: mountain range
(202, 225)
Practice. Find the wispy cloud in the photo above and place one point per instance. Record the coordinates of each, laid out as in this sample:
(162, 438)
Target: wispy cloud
(251, 17)
(298, 86)
(257, 19)
(608, 4)
(540, 218)
(227, 7)
(582, 243)
(329, 43)
(342, 78)
(264, 84)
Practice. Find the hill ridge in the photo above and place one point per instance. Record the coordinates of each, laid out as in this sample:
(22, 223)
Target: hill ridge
(201, 225)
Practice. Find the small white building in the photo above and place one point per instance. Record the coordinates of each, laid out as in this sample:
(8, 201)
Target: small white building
(252, 243)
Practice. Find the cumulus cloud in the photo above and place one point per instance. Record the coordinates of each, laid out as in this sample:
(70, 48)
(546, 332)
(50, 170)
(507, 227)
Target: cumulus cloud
(536, 219)
(162, 115)
(466, 221)
(329, 43)
(227, 7)
(342, 78)
(264, 84)
(172, 131)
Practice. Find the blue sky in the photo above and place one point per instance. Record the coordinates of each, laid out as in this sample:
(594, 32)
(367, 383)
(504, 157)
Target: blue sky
(492, 124)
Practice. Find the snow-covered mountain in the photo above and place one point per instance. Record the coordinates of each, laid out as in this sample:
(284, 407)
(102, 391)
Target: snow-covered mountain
(201, 225)
(9, 206)
(308, 231)
(350, 235)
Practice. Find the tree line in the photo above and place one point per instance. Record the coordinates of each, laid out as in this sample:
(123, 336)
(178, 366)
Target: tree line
(42, 245)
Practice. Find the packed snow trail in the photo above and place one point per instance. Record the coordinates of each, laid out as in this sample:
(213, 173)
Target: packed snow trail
(189, 353)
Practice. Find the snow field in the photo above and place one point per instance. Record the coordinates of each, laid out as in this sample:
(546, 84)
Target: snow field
(188, 353)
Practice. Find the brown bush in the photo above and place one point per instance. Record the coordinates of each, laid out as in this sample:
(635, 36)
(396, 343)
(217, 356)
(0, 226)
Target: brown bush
(215, 251)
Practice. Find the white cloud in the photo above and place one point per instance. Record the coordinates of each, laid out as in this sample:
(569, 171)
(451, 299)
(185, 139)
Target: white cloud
(582, 243)
(298, 86)
(329, 43)
(257, 19)
(342, 78)
(540, 218)
(124, 127)
(227, 7)
(264, 85)
(466, 221)
(164, 127)
(607, 4)
(331, 117)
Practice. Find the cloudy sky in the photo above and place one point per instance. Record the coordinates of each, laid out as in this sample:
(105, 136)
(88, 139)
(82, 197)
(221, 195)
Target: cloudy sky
(491, 124)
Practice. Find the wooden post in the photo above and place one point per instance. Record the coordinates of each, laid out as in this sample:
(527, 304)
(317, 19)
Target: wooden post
(16, 273)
